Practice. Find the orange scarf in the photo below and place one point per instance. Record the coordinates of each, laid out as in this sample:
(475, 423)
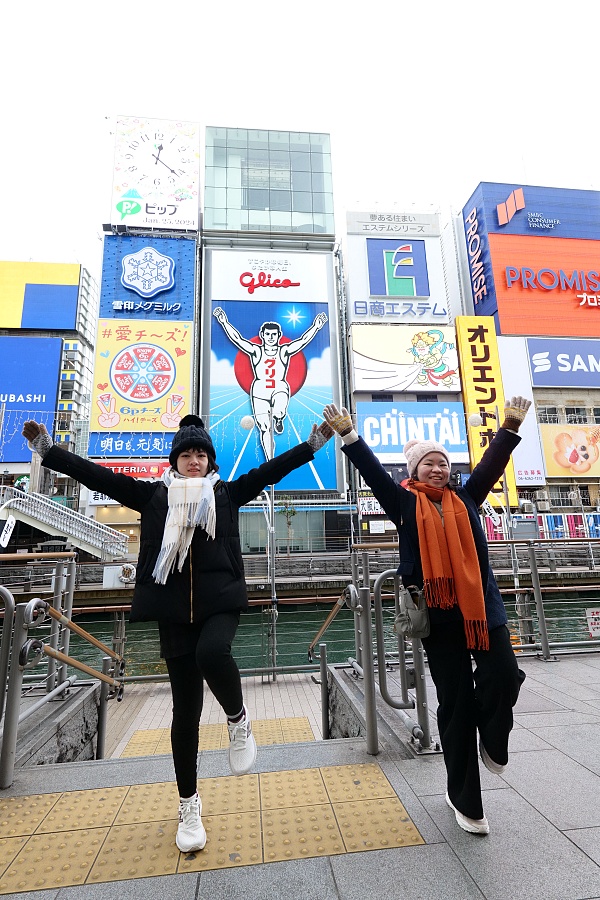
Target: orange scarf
(451, 571)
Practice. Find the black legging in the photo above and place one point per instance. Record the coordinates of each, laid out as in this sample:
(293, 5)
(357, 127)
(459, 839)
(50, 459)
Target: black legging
(212, 660)
(470, 702)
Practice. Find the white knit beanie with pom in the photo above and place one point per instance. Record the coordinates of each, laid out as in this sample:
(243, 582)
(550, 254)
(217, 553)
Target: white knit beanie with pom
(414, 452)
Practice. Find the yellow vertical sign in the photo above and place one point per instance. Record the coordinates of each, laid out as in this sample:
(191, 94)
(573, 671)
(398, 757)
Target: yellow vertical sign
(483, 393)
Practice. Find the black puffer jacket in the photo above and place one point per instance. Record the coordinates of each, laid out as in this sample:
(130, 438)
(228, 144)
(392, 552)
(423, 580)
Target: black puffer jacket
(212, 579)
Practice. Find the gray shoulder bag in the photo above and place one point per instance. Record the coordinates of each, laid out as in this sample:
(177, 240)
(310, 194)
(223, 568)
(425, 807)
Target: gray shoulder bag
(413, 619)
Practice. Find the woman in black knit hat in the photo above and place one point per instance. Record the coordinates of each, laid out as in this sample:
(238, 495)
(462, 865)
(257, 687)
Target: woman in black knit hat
(190, 579)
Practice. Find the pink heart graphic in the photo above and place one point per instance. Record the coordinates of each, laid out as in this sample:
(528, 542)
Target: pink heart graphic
(180, 352)
(102, 387)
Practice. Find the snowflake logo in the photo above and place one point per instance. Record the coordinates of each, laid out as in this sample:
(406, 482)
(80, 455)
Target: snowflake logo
(148, 272)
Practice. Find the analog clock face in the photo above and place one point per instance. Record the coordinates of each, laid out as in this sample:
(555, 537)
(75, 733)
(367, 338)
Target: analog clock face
(156, 174)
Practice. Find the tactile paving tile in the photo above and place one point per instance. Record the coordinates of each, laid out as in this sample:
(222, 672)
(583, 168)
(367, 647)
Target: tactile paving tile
(359, 782)
(149, 803)
(84, 809)
(305, 831)
(233, 840)
(221, 796)
(291, 788)
(295, 730)
(375, 825)
(22, 815)
(267, 731)
(213, 737)
(53, 860)
(9, 847)
(137, 851)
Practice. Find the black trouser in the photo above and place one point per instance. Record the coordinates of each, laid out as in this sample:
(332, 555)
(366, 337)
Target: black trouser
(212, 661)
(472, 701)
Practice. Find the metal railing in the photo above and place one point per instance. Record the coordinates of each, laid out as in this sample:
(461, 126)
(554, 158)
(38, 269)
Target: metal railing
(21, 652)
(58, 520)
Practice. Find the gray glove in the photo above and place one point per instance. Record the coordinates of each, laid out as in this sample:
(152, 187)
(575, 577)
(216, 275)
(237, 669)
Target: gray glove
(38, 437)
(318, 437)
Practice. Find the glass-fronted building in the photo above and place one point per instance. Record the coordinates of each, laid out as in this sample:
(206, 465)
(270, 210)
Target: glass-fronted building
(268, 181)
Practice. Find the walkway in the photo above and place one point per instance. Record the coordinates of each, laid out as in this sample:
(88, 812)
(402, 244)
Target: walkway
(337, 823)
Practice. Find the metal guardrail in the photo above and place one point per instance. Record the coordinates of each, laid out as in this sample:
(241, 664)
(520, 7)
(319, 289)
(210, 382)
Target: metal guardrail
(21, 652)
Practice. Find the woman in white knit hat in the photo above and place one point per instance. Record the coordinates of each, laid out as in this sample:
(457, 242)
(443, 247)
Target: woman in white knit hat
(443, 551)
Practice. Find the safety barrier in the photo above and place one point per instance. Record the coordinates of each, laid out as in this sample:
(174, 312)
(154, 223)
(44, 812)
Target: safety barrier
(25, 652)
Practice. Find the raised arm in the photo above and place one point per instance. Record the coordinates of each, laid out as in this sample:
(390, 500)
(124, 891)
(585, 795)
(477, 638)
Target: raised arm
(304, 339)
(494, 461)
(233, 334)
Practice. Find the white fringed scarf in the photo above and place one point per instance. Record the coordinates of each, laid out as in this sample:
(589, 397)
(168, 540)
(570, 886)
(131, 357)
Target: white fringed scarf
(191, 503)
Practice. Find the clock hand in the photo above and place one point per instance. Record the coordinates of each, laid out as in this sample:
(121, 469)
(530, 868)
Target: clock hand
(172, 171)
(159, 148)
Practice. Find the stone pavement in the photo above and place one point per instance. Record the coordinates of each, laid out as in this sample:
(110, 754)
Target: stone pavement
(544, 815)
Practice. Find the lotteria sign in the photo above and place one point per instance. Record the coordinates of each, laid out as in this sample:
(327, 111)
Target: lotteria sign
(386, 427)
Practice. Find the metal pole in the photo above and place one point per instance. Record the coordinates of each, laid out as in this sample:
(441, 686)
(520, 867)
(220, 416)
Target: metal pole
(539, 605)
(13, 701)
(9, 614)
(103, 709)
(367, 660)
(324, 692)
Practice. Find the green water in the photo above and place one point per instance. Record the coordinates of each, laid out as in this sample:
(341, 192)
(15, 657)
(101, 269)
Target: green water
(296, 627)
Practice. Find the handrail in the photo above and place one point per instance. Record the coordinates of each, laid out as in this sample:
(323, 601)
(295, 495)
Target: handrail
(9, 613)
(339, 603)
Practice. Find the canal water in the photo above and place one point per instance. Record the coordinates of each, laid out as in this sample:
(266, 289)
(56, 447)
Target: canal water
(297, 626)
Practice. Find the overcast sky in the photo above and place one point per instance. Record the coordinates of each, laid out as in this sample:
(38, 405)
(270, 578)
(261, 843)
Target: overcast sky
(422, 101)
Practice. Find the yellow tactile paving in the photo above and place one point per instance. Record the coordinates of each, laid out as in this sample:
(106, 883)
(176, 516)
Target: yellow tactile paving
(120, 833)
(154, 741)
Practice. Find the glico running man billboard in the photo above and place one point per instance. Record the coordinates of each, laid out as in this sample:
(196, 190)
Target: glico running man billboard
(533, 258)
(271, 336)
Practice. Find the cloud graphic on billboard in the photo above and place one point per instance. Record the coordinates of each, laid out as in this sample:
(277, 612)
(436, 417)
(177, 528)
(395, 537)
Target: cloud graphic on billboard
(319, 369)
(221, 371)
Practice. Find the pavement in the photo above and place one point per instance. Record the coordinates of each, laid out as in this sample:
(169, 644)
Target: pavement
(325, 818)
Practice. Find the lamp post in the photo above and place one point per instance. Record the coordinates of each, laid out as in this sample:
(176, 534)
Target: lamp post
(247, 423)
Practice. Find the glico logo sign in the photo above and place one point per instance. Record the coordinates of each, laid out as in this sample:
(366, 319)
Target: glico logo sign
(248, 281)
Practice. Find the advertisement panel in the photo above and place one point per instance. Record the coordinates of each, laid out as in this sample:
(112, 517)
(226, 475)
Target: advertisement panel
(547, 286)
(39, 295)
(29, 379)
(386, 427)
(483, 392)
(147, 278)
(156, 174)
(527, 457)
(404, 358)
(571, 450)
(142, 386)
(270, 359)
(511, 209)
(564, 363)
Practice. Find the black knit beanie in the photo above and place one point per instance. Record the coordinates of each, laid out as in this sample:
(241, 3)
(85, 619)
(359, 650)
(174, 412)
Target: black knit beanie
(192, 433)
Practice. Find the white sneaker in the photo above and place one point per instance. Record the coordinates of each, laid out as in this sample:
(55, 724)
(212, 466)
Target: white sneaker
(190, 831)
(473, 826)
(488, 762)
(242, 746)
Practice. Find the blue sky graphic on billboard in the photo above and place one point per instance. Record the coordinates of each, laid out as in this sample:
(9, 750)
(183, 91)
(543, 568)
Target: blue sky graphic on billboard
(564, 363)
(270, 360)
(147, 278)
(29, 376)
(397, 268)
(539, 211)
(386, 427)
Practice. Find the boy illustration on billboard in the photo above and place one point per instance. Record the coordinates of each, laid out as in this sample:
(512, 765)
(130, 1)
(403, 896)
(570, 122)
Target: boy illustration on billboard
(269, 360)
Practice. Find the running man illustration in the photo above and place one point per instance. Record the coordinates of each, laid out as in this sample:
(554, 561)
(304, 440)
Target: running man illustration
(269, 360)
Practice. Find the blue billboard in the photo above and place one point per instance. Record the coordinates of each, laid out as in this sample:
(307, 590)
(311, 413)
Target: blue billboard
(397, 268)
(560, 362)
(270, 365)
(147, 278)
(29, 380)
(386, 427)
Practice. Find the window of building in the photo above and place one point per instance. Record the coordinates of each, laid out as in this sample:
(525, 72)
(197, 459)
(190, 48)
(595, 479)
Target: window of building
(382, 398)
(427, 398)
(547, 415)
(596, 415)
(561, 495)
(576, 415)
